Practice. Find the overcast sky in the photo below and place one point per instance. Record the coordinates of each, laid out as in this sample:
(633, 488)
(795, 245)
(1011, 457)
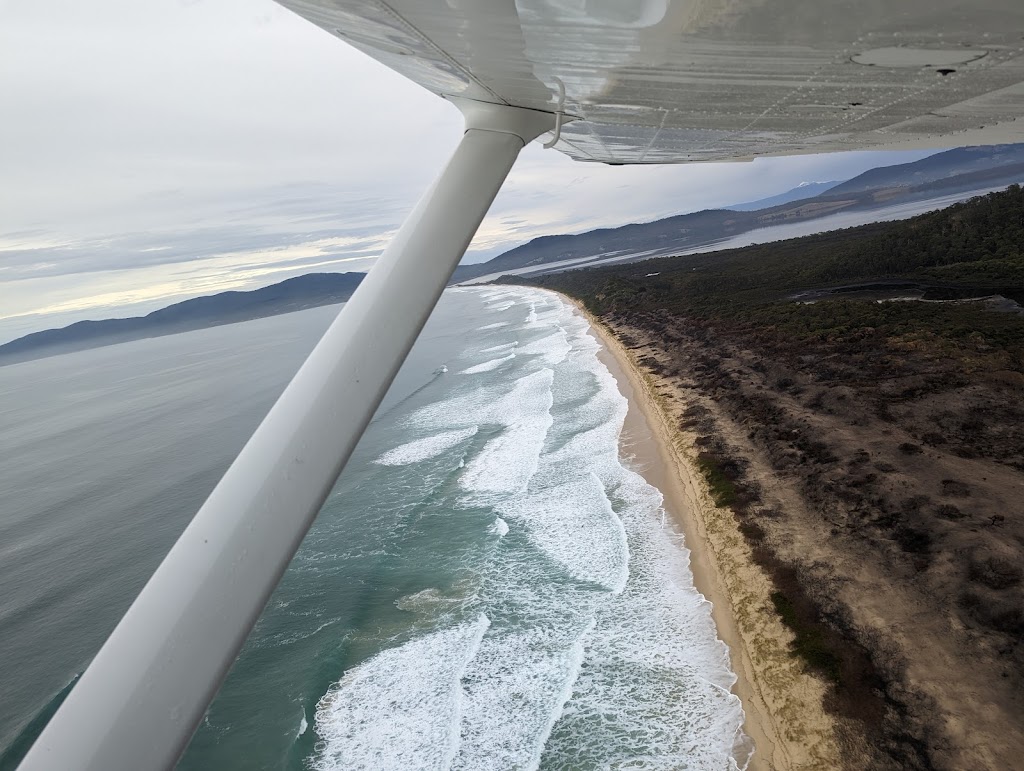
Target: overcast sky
(154, 150)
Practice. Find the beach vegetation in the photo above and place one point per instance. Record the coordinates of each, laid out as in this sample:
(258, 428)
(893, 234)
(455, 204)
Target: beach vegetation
(720, 486)
(808, 640)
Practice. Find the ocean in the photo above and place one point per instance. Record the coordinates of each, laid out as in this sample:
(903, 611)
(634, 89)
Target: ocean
(491, 584)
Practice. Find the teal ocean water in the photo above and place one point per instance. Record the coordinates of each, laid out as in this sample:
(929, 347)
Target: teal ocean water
(490, 585)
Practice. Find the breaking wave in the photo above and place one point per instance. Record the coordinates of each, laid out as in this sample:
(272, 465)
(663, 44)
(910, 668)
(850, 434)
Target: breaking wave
(424, 449)
(582, 642)
(402, 708)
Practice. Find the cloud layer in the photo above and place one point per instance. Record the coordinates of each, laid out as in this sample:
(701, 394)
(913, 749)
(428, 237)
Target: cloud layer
(156, 151)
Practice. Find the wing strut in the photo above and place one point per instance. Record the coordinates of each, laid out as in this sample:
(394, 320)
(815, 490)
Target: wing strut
(141, 698)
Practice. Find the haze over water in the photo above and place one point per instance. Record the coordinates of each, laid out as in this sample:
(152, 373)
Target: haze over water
(489, 585)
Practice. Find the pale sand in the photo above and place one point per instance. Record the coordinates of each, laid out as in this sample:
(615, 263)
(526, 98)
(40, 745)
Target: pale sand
(781, 701)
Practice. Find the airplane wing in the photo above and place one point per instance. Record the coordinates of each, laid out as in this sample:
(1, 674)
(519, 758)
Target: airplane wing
(673, 81)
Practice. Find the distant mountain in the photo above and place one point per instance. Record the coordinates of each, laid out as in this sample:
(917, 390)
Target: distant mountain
(936, 172)
(961, 170)
(293, 294)
(799, 193)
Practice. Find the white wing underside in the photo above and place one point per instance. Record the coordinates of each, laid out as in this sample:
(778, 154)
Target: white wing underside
(671, 81)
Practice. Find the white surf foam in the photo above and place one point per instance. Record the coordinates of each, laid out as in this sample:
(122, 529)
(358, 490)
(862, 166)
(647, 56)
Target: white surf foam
(494, 403)
(551, 349)
(574, 525)
(516, 688)
(544, 313)
(499, 527)
(487, 366)
(424, 449)
(499, 306)
(401, 709)
(507, 461)
(503, 347)
(655, 657)
(495, 325)
(492, 295)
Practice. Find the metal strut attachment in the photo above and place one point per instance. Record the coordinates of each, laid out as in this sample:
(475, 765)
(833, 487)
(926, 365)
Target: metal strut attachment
(559, 115)
(139, 701)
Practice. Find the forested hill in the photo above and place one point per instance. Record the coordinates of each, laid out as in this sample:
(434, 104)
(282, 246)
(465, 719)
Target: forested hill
(971, 249)
(294, 294)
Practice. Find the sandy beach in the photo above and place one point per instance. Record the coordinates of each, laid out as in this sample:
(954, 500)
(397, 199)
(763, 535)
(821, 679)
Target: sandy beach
(781, 701)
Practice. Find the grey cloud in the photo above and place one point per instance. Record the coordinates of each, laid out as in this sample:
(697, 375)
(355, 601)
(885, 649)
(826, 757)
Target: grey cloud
(142, 136)
(141, 250)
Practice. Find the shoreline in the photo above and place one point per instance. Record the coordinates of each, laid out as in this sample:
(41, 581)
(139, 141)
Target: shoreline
(781, 703)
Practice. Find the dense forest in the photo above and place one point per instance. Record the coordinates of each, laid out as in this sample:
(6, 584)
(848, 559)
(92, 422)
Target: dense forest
(972, 249)
(843, 284)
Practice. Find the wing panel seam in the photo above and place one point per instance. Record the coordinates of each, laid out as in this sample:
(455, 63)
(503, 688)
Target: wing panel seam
(447, 56)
